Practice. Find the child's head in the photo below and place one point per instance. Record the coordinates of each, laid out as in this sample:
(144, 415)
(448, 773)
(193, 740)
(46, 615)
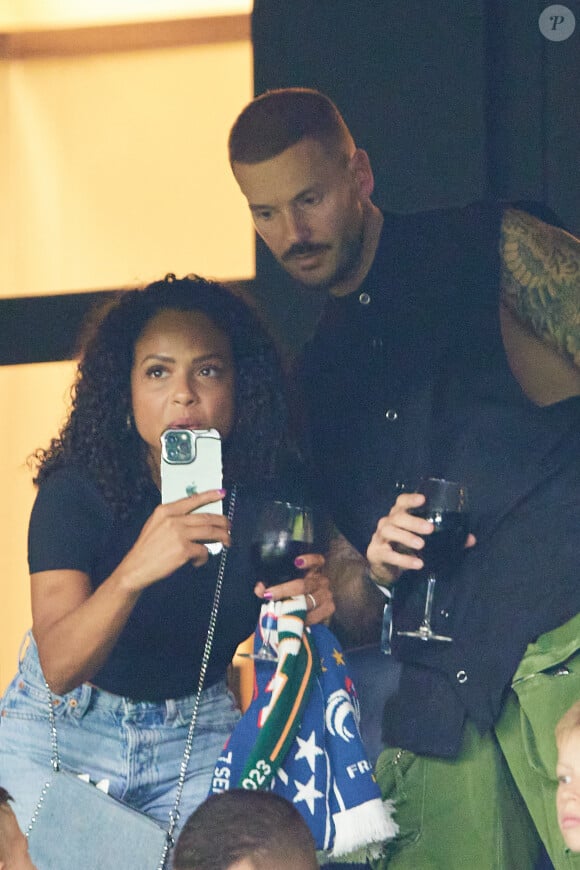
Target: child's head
(568, 774)
(245, 830)
(13, 844)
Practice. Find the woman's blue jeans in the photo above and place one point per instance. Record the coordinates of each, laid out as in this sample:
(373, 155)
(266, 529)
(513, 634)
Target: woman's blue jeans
(136, 746)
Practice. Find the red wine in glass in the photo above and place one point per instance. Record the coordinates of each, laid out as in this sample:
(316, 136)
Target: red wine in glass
(446, 507)
(444, 547)
(283, 532)
(273, 558)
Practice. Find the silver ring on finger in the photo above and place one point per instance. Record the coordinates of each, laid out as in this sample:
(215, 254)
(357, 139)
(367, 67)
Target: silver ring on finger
(312, 599)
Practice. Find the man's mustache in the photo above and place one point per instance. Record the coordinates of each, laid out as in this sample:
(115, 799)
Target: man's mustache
(304, 248)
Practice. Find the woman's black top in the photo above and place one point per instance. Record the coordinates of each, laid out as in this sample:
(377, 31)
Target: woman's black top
(158, 654)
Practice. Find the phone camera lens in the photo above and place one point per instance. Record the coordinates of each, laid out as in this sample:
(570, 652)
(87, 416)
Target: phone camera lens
(178, 446)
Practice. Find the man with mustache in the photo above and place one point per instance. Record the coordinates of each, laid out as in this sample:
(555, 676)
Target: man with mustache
(449, 346)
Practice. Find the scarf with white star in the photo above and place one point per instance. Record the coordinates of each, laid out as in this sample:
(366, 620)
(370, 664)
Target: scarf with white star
(300, 738)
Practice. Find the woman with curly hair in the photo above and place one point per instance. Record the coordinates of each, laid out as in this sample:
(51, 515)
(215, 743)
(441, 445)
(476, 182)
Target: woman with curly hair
(122, 586)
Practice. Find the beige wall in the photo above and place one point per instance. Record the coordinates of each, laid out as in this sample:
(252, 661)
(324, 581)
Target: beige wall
(118, 168)
(24, 14)
(32, 405)
(113, 171)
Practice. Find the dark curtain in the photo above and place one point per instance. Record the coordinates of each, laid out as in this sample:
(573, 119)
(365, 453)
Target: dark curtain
(454, 102)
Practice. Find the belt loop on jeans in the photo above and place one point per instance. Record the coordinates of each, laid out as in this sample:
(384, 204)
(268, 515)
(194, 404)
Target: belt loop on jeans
(171, 711)
(26, 641)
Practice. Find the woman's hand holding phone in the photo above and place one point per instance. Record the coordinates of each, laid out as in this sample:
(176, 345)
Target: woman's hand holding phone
(174, 534)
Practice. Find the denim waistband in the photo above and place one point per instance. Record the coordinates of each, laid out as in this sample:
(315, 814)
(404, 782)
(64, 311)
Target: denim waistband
(101, 700)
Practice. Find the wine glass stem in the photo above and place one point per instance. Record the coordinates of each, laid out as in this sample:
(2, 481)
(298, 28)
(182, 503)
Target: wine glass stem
(431, 580)
(268, 628)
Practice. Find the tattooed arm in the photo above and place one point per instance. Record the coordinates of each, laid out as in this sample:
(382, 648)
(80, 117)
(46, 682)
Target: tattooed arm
(540, 281)
(359, 604)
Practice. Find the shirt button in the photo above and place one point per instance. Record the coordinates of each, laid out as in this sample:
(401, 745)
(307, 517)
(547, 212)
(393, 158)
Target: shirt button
(461, 676)
(73, 702)
(364, 299)
(391, 415)
(399, 485)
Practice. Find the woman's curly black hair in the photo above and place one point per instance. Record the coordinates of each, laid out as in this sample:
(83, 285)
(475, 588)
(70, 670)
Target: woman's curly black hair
(98, 434)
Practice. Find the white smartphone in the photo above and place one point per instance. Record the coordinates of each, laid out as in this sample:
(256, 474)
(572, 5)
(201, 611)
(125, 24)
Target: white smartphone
(191, 461)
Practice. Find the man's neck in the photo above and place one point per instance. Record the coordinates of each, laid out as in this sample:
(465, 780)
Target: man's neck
(372, 226)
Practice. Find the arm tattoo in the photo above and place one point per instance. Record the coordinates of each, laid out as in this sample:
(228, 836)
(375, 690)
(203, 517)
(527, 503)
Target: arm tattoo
(540, 280)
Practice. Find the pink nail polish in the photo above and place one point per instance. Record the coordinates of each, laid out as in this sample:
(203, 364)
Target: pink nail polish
(299, 562)
(222, 492)
(268, 596)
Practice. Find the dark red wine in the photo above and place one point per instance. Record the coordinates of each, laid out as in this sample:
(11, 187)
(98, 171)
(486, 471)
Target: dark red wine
(274, 560)
(444, 547)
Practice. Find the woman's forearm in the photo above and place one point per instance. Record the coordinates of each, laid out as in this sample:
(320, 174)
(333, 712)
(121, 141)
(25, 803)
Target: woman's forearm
(76, 630)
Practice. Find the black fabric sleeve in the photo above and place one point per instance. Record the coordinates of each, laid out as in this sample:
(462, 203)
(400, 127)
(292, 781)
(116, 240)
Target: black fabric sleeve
(67, 524)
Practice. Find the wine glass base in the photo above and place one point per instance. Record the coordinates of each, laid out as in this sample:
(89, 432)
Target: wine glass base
(425, 634)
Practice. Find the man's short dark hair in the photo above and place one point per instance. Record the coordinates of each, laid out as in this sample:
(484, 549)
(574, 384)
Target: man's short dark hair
(258, 826)
(278, 119)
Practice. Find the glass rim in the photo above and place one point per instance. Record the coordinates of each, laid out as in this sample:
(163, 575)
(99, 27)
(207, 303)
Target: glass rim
(441, 480)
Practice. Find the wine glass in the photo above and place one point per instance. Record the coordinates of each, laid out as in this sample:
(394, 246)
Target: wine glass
(283, 532)
(446, 506)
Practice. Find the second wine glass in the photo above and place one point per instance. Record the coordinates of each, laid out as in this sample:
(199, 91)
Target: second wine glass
(283, 532)
(446, 506)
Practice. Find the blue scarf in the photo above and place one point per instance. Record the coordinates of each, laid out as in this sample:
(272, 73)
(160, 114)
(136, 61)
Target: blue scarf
(300, 738)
